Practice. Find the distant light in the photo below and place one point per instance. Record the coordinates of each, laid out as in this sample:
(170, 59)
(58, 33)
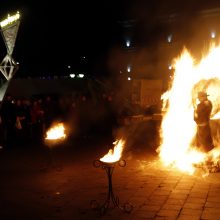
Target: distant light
(170, 67)
(128, 43)
(17, 63)
(129, 69)
(213, 34)
(84, 57)
(68, 67)
(81, 75)
(72, 75)
(169, 38)
(10, 19)
(129, 78)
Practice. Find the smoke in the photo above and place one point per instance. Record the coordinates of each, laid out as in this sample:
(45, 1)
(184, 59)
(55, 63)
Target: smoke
(152, 60)
(141, 137)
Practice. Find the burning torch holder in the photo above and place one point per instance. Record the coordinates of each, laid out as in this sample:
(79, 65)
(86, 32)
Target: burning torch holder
(109, 168)
(52, 160)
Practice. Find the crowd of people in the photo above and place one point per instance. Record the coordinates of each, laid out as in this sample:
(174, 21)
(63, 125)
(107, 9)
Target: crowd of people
(25, 120)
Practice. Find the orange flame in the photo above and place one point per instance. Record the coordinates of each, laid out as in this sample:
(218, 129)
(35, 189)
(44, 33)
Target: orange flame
(56, 132)
(178, 128)
(114, 154)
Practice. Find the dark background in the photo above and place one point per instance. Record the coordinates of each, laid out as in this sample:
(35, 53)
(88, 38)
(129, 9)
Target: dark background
(56, 34)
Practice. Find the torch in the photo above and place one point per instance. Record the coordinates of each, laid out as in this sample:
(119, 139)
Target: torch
(108, 163)
(54, 136)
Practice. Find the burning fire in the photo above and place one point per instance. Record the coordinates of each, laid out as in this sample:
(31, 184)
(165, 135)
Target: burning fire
(114, 155)
(56, 132)
(178, 128)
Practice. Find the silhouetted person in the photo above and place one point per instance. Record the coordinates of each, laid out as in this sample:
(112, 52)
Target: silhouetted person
(37, 118)
(202, 118)
(21, 117)
(8, 116)
(49, 109)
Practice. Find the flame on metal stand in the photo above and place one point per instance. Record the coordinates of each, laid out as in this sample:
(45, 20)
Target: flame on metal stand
(114, 155)
(56, 132)
(54, 137)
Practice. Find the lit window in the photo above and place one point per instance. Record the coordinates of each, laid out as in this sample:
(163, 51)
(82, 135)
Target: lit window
(81, 75)
(72, 75)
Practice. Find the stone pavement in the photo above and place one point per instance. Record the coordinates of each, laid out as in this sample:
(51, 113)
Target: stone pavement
(59, 184)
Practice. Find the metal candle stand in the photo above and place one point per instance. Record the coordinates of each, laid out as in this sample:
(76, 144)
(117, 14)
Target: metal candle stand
(109, 168)
(52, 163)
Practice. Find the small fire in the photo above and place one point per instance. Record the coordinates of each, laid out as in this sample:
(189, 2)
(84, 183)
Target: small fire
(178, 128)
(56, 132)
(114, 155)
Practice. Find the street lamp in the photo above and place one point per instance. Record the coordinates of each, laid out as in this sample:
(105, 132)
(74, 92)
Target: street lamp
(213, 34)
(128, 43)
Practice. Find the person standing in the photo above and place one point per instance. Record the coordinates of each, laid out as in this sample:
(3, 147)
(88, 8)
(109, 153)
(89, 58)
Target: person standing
(8, 119)
(202, 114)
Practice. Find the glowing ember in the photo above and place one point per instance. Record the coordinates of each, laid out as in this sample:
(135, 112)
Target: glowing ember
(114, 154)
(178, 128)
(56, 132)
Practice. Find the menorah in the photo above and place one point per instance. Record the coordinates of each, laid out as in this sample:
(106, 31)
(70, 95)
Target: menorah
(8, 66)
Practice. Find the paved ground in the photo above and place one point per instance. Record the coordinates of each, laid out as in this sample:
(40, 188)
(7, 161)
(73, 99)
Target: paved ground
(58, 184)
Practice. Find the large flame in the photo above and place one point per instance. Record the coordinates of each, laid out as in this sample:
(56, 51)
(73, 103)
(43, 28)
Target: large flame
(114, 155)
(178, 128)
(56, 132)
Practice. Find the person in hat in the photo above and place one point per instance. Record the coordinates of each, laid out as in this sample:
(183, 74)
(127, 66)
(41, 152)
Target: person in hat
(202, 114)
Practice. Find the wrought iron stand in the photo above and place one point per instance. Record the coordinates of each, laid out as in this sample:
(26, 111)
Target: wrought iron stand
(109, 168)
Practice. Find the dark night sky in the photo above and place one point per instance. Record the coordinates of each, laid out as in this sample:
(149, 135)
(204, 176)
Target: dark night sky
(55, 34)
